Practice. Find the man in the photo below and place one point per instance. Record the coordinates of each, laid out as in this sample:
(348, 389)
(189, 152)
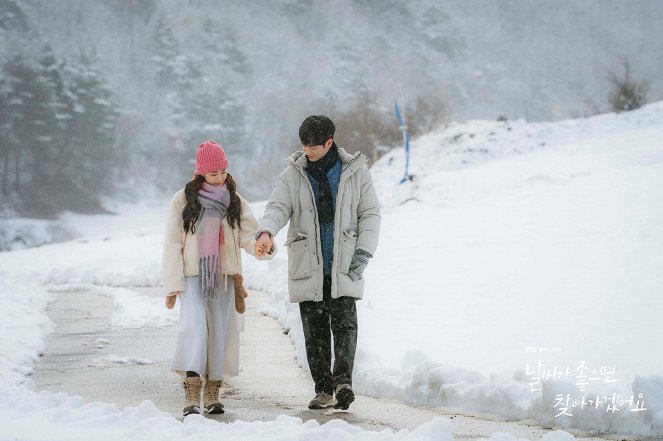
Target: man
(328, 197)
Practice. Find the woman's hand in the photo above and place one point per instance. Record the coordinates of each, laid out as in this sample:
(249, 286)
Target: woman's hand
(264, 245)
(171, 299)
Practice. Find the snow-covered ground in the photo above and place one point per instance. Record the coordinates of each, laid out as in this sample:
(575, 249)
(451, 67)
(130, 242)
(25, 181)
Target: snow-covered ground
(525, 251)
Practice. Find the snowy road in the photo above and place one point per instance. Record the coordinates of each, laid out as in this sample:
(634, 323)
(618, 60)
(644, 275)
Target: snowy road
(86, 357)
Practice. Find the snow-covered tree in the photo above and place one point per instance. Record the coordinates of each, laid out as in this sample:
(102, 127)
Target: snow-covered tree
(29, 119)
(12, 16)
(91, 138)
(166, 53)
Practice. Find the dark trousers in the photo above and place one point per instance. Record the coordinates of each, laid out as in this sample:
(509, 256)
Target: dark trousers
(320, 320)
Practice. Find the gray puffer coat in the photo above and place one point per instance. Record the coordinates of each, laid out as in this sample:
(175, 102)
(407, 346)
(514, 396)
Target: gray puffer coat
(356, 226)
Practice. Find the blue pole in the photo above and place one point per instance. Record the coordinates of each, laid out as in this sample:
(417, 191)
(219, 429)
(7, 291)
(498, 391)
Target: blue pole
(406, 140)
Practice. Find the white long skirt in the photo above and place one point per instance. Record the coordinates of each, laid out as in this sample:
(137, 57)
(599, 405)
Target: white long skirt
(208, 337)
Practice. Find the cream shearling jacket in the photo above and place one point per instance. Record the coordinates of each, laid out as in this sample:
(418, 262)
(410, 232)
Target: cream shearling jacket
(180, 250)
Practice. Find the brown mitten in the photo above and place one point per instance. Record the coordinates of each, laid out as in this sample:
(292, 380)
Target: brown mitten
(240, 293)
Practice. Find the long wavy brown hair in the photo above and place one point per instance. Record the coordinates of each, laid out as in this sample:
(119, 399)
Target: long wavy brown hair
(192, 208)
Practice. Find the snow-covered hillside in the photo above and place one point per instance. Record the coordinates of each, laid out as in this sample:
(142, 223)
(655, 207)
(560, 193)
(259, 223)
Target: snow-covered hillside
(523, 248)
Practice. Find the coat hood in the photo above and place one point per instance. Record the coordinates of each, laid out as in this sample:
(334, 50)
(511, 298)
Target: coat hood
(298, 158)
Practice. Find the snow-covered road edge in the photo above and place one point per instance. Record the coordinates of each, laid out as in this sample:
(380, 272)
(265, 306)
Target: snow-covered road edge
(422, 381)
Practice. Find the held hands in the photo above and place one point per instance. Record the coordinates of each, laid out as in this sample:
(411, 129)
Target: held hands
(264, 245)
(171, 299)
(358, 264)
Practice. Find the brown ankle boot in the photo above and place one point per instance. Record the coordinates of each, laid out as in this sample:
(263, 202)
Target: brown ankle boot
(211, 396)
(192, 386)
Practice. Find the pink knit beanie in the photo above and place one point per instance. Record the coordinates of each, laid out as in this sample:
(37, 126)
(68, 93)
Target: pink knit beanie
(210, 157)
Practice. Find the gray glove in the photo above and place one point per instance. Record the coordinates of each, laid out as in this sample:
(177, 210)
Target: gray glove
(358, 264)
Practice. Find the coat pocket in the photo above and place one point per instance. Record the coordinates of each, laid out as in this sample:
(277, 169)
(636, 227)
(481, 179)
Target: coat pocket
(299, 259)
(348, 246)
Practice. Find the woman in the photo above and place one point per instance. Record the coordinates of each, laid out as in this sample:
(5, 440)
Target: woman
(208, 223)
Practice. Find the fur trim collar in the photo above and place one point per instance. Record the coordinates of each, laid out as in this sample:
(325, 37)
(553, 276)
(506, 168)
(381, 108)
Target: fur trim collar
(298, 159)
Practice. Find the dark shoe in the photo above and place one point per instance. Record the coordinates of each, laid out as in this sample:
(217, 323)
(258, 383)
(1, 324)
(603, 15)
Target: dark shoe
(344, 396)
(214, 408)
(321, 401)
(190, 409)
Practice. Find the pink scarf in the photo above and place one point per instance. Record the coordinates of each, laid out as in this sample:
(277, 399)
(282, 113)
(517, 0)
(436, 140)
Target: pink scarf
(215, 202)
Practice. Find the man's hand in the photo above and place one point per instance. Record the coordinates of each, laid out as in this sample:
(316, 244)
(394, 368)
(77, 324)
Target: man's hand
(358, 264)
(171, 299)
(264, 244)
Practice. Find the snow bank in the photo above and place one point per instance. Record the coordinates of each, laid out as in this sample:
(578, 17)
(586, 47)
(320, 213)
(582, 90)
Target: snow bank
(61, 416)
(18, 234)
(23, 327)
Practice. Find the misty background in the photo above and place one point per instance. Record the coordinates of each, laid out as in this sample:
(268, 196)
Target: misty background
(109, 99)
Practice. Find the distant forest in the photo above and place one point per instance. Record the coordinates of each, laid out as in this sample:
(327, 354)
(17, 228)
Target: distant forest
(109, 98)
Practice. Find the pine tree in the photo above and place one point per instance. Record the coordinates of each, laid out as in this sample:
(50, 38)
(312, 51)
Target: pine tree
(13, 29)
(166, 53)
(12, 16)
(29, 118)
(85, 162)
(221, 42)
(219, 105)
(93, 122)
(5, 127)
(60, 102)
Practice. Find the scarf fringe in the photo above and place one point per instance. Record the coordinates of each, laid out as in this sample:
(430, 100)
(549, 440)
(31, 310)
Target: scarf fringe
(208, 276)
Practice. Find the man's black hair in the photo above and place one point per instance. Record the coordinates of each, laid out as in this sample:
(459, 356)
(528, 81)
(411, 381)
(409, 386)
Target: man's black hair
(316, 130)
